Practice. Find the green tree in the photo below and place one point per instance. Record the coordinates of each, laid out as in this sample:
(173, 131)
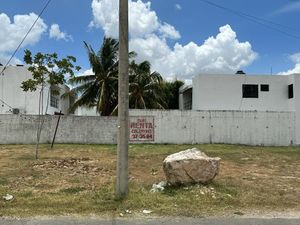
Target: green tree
(145, 90)
(98, 89)
(47, 69)
(171, 93)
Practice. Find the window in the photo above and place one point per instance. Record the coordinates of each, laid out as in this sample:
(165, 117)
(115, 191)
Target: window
(54, 100)
(250, 91)
(264, 87)
(187, 99)
(291, 91)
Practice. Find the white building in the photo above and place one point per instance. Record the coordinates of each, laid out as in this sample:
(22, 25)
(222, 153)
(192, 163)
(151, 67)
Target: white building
(245, 92)
(84, 111)
(238, 92)
(13, 100)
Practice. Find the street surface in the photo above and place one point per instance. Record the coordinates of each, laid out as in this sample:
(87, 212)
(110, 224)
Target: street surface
(150, 221)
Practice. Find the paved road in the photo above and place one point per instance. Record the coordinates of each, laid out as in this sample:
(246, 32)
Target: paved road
(150, 221)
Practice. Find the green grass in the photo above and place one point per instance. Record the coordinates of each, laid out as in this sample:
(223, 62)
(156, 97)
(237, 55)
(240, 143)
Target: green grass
(79, 179)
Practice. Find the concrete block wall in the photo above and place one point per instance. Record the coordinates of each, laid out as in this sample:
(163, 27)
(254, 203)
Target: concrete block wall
(231, 127)
(174, 127)
(87, 130)
(22, 129)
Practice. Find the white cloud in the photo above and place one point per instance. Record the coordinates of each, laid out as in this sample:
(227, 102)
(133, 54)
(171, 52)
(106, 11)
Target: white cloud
(150, 48)
(296, 59)
(105, 14)
(223, 53)
(86, 72)
(12, 32)
(91, 25)
(142, 20)
(220, 54)
(178, 7)
(81, 73)
(57, 34)
(288, 8)
(168, 31)
(5, 57)
(295, 70)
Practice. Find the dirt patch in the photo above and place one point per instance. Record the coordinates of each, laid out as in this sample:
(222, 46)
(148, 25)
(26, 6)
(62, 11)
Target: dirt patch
(75, 165)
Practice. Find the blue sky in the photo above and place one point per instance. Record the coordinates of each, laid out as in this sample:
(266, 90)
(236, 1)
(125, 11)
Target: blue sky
(180, 38)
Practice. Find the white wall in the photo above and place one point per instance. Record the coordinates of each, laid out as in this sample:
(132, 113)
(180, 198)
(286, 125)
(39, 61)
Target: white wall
(174, 127)
(22, 129)
(28, 102)
(11, 92)
(296, 102)
(224, 92)
(231, 127)
(83, 111)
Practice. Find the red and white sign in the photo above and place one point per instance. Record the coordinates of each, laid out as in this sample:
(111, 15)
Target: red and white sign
(141, 128)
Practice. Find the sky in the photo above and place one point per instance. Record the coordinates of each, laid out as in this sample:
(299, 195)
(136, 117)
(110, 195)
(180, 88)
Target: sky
(180, 38)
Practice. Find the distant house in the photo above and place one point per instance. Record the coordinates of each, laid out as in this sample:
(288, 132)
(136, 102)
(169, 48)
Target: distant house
(13, 100)
(242, 92)
(185, 97)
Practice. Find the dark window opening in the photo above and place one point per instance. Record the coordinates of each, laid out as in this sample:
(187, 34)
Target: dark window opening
(291, 91)
(187, 99)
(250, 91)
(264, 87)
(54, 99)
(240, 72)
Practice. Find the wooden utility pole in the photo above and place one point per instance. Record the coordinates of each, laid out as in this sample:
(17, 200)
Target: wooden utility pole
(54, 136)
(123, 103)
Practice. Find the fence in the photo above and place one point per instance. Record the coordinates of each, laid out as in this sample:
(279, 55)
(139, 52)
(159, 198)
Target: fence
(157, 126)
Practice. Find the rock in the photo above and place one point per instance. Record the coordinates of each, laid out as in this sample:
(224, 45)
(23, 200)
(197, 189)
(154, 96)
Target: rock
(158, 187)
(190, 166)
(8, 197)
(146, 211)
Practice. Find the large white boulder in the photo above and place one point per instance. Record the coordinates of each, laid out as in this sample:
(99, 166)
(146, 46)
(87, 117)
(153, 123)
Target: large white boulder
(190, 166)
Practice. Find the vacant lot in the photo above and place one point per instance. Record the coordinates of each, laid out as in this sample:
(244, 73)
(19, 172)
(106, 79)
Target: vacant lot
(79, 179)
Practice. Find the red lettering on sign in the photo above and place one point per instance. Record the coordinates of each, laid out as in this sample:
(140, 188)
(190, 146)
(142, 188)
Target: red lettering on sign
(141, 129)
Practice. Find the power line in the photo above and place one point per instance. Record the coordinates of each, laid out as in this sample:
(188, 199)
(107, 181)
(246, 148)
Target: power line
(3, 102)
(24, 38)
(257, 20)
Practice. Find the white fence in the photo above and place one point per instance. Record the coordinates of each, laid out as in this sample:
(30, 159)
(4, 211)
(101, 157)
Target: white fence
(230, 127)
(176, 127)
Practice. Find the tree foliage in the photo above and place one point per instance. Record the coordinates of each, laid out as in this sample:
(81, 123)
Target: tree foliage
(145, 90)
(171, 93)
(47, 68)
(99, 89)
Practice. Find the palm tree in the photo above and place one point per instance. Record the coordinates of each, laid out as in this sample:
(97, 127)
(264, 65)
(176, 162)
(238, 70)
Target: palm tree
(171, 93)
(98, 90)
(145, 87)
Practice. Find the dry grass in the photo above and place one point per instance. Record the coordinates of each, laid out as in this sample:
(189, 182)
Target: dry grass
(79, 179)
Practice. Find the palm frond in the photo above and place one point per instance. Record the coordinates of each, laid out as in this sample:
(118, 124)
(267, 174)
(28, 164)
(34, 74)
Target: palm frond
(81, 79)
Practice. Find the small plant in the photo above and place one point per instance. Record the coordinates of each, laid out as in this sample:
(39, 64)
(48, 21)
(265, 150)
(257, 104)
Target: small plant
(46, 69)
